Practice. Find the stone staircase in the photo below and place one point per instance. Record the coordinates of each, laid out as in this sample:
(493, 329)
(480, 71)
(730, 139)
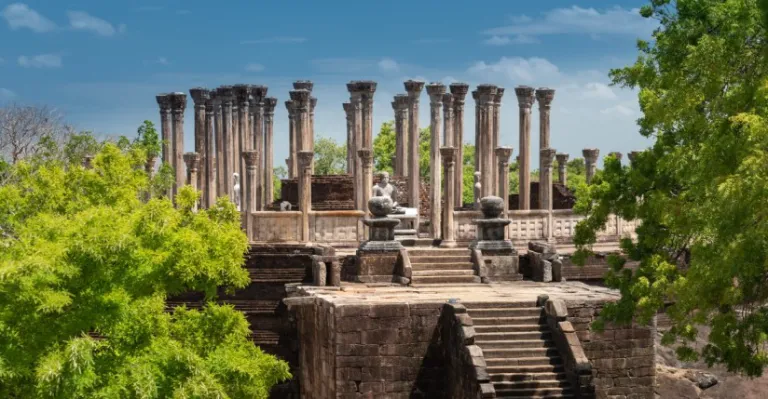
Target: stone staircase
(441, 266)
(522, 360)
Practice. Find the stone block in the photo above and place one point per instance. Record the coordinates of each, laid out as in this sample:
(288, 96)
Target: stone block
(352, 310)
(384, 336)
(348, 338)
(556, 308)
(357, 350)
(376, 266)
(400, 310)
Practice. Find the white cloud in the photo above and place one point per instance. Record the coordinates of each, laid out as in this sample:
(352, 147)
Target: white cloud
(599, 91)
(621, 110)
(516, 69)
(276, 39)
(40, 61)
(6, 94)
(497, 40)
(80, 20)
(19, 15)
(388, 65)
(578, 20)
(254, 67)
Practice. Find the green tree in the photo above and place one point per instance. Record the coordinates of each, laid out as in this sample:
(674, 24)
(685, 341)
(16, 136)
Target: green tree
(86, 268)
(330, 157)
(278, 173)
(700, 191)
(384, 148)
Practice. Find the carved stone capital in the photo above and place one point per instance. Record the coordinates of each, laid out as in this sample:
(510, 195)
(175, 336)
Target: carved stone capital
(367, 86)
(226, 94)
(251, 158)
(164, 101)
(459, 91)
(525, 96)
(547, 156)
(475, 95)
(242, 94)
(366, 155)
(503, 153)
(178, 102)
(192, 160)
(449, 154)
(435, 90)
(487, 93)
(590, 154)
(401, 101)
(301, 99)
(448, 103)
(289, 107)
(414, 88)
(352, 86)
(347, 107)
(269, 105)
(305, 159)
(499, 95)
(545, 96)
(303, 85)
(259, 93)
(562, 159)
(199, 95)
(312, 103)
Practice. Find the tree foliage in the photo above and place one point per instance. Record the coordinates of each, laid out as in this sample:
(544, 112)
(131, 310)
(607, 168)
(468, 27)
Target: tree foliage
(700, 191)
(330, 157)
(85, 269)
(24, 127)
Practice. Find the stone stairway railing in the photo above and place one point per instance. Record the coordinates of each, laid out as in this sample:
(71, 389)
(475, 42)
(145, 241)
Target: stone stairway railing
(465, 371)
(578, 368)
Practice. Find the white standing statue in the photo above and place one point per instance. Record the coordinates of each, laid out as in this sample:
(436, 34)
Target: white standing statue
(236, 190)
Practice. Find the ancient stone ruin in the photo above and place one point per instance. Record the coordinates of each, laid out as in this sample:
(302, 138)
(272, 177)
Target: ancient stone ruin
(379, 288)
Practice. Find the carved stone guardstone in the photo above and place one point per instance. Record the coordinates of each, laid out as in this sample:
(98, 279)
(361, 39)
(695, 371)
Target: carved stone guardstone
(378, 256)
(496, 258)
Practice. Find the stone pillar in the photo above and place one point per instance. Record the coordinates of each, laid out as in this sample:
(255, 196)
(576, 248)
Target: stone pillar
(448, 155)
(199, 97)
(502, 157)
(436, 91)
(459, 92)
(178, 105)
(400, 106)
(225, 94)
(414, 89)
(312, 105)
(269, 116)
(259, 95)
(525, 97)
(244, 143)
(487, 95)
(292, 144)
(367, 89)
(234, 141)
(164, 101)
(616, 155)
(496, 134)
(544, 96)
(218, 116)
(350, 139)
(209, 189)
(192, 161)
(590, 162)
(448, 136)
(562, 168)
(305, 186)
(355, 99)
(547, 156)
(252, 161)
(366, 162)
(303, 143)
(478, 136)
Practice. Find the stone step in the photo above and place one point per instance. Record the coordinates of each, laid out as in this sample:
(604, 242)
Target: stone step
(505, 312)
(511, 335)
(532, 376)
(519, 363)
(438, 252)
(519, 352)
(513, 344)
(510, 328)
(517, 320)
(440, 259)
(485, 305)
(558, 392)
(445, 279)
(442, 266)
(525, 369)
(505, 385)
(453, 272)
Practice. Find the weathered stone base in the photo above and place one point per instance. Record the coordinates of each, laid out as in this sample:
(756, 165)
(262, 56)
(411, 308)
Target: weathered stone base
(502, 265)
(376, 266)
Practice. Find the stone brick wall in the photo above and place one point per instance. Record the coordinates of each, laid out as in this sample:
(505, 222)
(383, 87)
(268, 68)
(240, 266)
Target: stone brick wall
(562, 197)
(594, 268)
(622, 357)
(329, 193)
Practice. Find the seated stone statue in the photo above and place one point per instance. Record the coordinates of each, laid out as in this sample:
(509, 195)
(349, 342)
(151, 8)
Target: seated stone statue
(384, 189)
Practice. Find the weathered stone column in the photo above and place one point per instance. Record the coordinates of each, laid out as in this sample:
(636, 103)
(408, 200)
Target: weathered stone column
(244, 143)
(366, 162)
(164, 101)
(292, 142)
(312, 105)
(269, 116)
(178, 105)
(305, 186)
(544, 96)
(414, 89)
(459, 92)
(199, 97)
(350, 138)
(502, 157)
(400, 106)
(525, 97)
(209, 190)
(487, 94)
(478, 135)
(218, 121)
(235, 139)
(192, 161)
(367, 89)
(225, 94)
(259, 94)
(496, 133)
(303, 143)
(252, 161)
(547, 156)
(616, 155)
(436, 91)
(590, 162)
(448, 136)
(562, 168)
(448, 155)
(355, 99)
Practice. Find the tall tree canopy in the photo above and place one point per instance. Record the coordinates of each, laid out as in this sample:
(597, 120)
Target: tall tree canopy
(701, 190)
(85, 269)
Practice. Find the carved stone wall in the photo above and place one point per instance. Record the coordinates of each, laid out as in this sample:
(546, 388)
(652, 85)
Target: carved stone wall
(563, 197)
(329, 193)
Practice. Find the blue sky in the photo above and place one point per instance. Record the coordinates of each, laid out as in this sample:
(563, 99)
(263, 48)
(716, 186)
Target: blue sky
(102, 62)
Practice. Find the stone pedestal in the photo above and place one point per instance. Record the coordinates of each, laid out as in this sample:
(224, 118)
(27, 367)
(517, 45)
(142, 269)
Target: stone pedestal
(525, 98)
(495, 256)
(448, 155)
(377, 257)
(590, 162)
(459, 92)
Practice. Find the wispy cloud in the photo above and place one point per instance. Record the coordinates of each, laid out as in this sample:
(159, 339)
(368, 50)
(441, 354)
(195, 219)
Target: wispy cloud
(81, 20)
(157, 61)
(40, 61)
(618, 110)
(254, 67)
(578, 20)
(277, 39)
(19, 16)
(388, 65)
(497, 40)
(6, 94)
(516, 69)
(599, 91)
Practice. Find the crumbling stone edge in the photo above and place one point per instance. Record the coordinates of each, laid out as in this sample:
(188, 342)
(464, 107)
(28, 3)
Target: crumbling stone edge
(403, 271)
(578, 368)
(466, 374)
(479, 265)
